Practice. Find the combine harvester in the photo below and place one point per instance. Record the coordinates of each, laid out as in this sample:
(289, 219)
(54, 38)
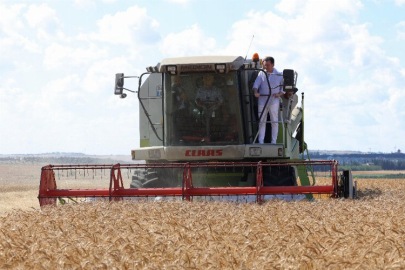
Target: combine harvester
(204, 146)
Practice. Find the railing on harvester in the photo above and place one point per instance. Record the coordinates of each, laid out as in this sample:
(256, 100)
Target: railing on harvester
(50, 194)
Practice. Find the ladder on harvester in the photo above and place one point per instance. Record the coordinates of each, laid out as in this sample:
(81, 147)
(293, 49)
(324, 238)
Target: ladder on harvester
(159, 95)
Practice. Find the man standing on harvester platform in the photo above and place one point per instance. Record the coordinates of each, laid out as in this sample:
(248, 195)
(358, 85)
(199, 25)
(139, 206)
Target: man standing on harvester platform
(262, 91)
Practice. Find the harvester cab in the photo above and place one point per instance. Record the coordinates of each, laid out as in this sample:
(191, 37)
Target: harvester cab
(202, 108)
(199, 122)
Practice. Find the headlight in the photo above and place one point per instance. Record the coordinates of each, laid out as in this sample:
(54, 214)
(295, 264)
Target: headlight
(255, 151)
(171, 69)
(220, 68)
(154, 153)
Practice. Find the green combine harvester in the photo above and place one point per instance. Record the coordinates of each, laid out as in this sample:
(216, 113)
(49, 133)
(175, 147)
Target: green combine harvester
(194, 144)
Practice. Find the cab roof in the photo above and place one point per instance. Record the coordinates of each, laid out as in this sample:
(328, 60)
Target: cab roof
(232, 62)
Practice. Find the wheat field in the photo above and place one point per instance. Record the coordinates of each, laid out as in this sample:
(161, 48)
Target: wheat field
(365, 233)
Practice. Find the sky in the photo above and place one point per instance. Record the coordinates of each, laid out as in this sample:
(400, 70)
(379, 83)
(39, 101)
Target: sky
(58, 61)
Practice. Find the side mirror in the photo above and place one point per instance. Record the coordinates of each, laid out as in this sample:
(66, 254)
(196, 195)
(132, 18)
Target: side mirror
(289, 76)
(119, 83)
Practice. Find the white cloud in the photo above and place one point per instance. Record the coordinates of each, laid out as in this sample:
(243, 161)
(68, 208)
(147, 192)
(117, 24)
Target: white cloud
(63, 116)
(399, 2)
(47, 103)
(8, 91)
(36, 111)
(100, 76)
(40, 16)
(178, 1)
(11, 27)
(353, 88)
(336, 60)
(44, 20)
(13, 41)
(57, 55)
(321, 36)
(10, 17)
(55, 99)
(401, 30)
(62, 88)
(132, 27)
(22, 66)
(364, 47)
(314, 23)
(290, 7)
(84, 3)
(318, 8)
(191, 41)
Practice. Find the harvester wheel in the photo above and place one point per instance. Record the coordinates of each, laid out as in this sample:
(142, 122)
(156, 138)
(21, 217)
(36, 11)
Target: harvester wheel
(279, 176)
(346, 187)
(137, 178)
(154, 178)
(144, 178)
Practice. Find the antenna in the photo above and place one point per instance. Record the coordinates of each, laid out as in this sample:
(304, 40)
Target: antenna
(249, 46)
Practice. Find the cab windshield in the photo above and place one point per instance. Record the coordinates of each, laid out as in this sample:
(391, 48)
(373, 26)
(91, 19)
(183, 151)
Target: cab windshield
(202, 108)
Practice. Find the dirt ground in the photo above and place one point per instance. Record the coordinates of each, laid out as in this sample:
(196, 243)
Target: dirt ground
(377, 172)
(19, 187)
(19, 180)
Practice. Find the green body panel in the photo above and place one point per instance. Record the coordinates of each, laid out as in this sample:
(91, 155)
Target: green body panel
(304, 179)
(144, 143)
(280, 134)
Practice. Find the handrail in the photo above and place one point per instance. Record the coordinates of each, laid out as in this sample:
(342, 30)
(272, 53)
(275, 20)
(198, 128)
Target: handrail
(144, 109)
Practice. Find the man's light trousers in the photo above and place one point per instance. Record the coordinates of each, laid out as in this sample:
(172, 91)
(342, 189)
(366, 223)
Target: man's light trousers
(274, 107)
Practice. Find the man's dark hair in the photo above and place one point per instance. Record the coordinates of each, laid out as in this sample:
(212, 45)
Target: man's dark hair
(269, 58)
